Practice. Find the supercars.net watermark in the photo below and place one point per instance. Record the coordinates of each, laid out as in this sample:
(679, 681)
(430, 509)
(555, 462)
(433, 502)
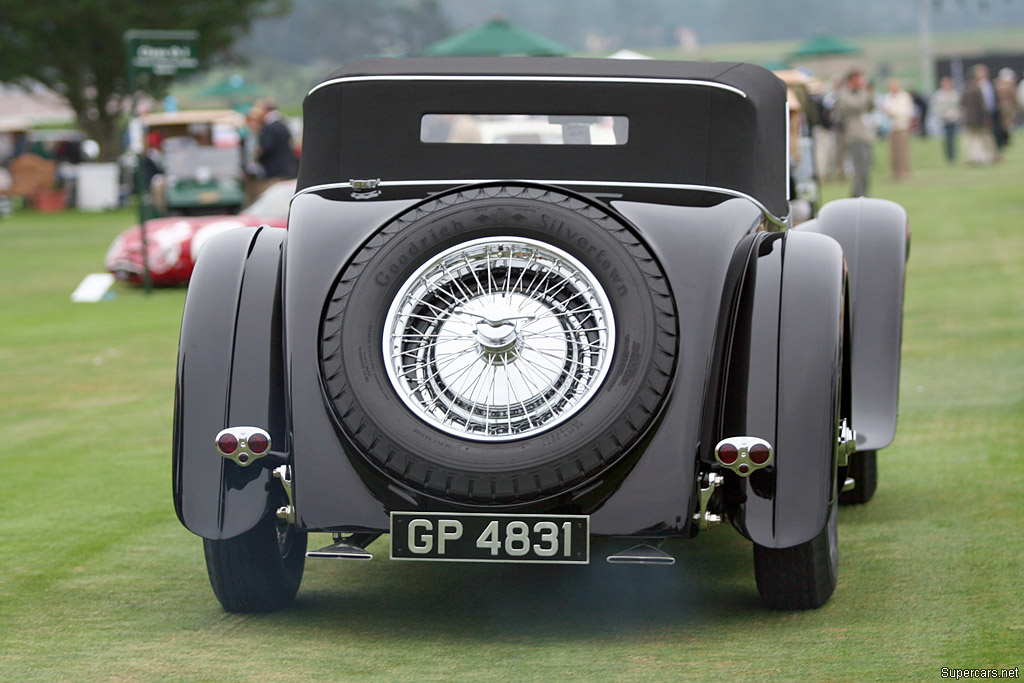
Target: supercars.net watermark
(957, 674)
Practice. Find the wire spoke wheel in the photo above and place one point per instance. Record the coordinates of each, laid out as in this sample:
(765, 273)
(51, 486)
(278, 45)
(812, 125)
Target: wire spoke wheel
(499, 338)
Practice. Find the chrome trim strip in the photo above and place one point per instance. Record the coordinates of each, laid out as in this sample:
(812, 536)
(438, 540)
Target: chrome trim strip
(780, 222)
(536, 79)
(643, 553)
(789, 160)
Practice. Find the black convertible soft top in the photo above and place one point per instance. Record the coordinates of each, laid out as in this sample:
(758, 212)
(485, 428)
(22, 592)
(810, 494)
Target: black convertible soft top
(716, 127)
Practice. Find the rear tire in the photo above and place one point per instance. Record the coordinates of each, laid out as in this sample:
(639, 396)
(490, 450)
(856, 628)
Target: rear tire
(863, 468)
(259, 570)
(499, 345)
(803, 576)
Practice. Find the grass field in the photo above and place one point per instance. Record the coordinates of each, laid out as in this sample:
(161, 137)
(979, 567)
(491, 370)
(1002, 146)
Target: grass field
(98, 581)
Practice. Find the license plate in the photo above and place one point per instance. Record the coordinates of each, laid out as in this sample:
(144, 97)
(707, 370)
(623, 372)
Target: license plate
(483, 537)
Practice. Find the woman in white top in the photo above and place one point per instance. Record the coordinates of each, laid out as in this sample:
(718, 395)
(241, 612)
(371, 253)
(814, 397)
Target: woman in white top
(899, 107)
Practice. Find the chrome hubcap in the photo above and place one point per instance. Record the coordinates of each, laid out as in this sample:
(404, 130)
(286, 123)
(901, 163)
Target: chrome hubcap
(498, 339)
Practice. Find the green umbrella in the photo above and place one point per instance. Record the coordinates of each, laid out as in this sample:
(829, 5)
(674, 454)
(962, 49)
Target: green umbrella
(496, 37)
(824, 46)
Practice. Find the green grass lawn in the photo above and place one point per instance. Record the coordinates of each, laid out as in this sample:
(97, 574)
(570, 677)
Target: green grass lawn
(98, 581)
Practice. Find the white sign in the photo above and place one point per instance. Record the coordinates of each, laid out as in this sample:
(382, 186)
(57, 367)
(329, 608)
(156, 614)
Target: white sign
(95, 287)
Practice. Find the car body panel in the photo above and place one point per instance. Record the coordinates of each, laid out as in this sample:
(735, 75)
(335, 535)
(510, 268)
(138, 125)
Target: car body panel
(229, 373)
(875, 238)
(809, 371)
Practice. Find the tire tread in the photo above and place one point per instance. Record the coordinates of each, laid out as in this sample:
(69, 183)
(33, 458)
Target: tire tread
(796, 578)
(248, 574)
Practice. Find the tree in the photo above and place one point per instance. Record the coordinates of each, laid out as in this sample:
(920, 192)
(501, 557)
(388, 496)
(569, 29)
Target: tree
(75, 48)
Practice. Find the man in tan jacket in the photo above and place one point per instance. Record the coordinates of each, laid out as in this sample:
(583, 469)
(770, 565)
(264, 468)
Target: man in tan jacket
(855, 103)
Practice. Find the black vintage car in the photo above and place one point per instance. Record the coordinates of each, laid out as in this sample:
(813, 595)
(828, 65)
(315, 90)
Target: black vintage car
(522, 304)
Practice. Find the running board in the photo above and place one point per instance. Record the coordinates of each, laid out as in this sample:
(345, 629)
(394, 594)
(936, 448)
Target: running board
(347, 549)
(642, 554)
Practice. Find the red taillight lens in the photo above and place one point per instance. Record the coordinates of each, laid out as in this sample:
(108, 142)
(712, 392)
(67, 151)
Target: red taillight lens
(759, 454)
(227, 443)
(727, 454)
(258, 444)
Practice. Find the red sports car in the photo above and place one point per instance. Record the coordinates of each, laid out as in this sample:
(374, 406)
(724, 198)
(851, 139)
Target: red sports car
(175, 242)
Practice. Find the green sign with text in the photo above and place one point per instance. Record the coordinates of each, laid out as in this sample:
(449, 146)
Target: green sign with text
(162, 53)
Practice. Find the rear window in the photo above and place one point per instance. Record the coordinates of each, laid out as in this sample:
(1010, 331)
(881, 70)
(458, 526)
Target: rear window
(524, 129)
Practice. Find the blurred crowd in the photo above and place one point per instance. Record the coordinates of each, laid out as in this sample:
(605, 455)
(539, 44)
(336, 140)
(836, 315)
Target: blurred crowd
(974, 123)
(268, 152)
(267, 149)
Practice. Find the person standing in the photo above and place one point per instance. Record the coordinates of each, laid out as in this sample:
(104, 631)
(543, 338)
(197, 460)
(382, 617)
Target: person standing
(276, 155)
(1006, 101)
(825, 134)
(855, 103)
(898, 105)
(946, 105)
(979, 103)
(252, 172)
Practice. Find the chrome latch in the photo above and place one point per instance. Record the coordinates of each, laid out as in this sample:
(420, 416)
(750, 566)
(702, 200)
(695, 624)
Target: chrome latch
(286, 512)
(847, 443)
(367, 188)
(706, 520)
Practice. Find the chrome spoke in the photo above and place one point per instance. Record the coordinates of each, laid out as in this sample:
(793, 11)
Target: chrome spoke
(570, 340)
(499, 338)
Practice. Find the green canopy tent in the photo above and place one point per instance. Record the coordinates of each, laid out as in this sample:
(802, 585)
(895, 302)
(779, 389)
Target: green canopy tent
(496, 37)
(822, 45)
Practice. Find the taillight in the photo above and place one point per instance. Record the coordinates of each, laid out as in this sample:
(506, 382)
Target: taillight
(227, 443)
(759, 454)
(743, 454)
(258, 444)
(243, 444)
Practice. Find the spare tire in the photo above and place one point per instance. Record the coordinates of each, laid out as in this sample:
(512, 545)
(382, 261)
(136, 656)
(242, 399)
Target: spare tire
(499, 344)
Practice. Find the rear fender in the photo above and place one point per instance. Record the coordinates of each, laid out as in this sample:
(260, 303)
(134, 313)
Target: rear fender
(780, 384)
(229, 374)
(875, 238)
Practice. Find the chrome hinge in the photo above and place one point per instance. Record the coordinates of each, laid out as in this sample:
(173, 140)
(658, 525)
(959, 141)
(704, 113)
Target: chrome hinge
(367, 188)
(706, 520)
(286, 512)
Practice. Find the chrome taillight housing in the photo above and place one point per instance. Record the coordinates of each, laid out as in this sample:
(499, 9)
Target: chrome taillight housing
(243, 444)
(744, 454)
